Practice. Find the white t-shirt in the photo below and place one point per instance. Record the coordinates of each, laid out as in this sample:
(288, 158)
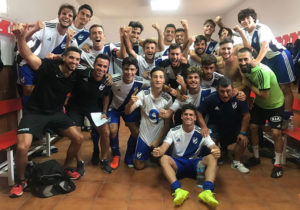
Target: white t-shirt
(187, 145)
(211, 83)
(151, 125)
(143, 65)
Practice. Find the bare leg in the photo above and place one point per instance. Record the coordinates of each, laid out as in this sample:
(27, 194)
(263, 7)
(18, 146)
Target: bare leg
(104, 142)
(278, 140)
(288, 96)
(138, 164)
(23, 144)
(169, 168)
(211, 167)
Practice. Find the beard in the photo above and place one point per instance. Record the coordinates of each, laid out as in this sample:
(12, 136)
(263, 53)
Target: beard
(246, 68)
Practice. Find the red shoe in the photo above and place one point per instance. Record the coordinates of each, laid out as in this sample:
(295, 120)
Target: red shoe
(72, 174)
(18, 189)
(115, 162)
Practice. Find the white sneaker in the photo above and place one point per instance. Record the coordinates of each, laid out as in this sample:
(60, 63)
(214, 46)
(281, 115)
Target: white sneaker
(240, 166)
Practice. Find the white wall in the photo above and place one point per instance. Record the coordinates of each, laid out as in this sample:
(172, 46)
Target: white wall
(282, 16)
(33, 10)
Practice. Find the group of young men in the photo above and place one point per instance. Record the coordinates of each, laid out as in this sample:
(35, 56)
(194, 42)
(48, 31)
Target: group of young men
(188, 93)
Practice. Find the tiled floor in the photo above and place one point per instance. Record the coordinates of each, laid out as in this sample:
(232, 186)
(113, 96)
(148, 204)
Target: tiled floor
(128, 189)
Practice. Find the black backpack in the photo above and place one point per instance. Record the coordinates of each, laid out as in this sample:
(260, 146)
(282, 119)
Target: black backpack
(48, 178)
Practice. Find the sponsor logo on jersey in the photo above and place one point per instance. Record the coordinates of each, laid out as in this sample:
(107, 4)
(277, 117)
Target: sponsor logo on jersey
(80, 37)
(217, 108)
(139, 155)
(49, 39)
(234, 105)
(101, 87)
(275, 119)
(63, 46)
(195, 140)
(177, 140)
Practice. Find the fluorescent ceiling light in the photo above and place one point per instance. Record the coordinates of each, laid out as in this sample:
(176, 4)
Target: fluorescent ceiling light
(164, 5)
(3, 7)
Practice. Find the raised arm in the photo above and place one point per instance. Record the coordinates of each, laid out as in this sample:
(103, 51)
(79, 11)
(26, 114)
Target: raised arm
(160, 40)
(20, 31)
(34, 27)
(127, 42)
(122, 52)
(187, 37)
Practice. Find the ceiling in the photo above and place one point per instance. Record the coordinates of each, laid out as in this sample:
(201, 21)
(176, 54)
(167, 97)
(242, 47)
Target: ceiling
(142, 8)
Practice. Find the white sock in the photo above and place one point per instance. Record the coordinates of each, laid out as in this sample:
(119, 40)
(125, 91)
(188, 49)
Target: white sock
(235, 162)
(255, 151)
(277, 158)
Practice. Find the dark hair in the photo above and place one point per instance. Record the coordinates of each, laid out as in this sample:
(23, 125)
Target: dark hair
(71, 49)
(149, 41)
(189, 106)
(95, 25)
(225, 41)
(208, 59)
(245, 13)
(224, 82)
(245, 49)
(210, 21)
(227, 29)
(136, 24)
(170, 25)
(86, 6)
(174, 46)
(200, 38)
(102, 56)
(157, 69)
(179, 30)
(67, 6)
(193, 70)
(130, 61)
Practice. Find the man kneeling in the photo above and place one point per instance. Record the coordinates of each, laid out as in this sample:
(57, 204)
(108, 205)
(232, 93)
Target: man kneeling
(184, 160)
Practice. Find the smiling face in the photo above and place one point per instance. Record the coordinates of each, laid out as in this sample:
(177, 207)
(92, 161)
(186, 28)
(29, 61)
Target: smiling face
(134, 36)
(71, 60)
(157, 79)
(82, 18)
(226, 50)
(100, 68)
(179, 37)
(244, 59)
(65, 18)
(169, 34)
(149, 51)
(248, 23)
(97, 36)
(188, 117)
(193, 81)
(175, 57)
(200, 47)
(129, 72)
(208, 71)
(208, 29)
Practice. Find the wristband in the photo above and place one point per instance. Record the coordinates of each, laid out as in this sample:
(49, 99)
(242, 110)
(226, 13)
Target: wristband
(243, 133)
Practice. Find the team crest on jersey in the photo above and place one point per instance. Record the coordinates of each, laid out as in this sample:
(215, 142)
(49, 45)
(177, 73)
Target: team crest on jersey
(49, 39)
(234, 105)
(101, 87)
(211, 48)
(177, 140)
(139, 155)
(217, 108)
(85, 79)
(80, 37)
(63, 46)
(254, 39)
(195, 140)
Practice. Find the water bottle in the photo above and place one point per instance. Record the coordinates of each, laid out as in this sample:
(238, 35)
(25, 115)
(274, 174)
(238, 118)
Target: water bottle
(200, 174)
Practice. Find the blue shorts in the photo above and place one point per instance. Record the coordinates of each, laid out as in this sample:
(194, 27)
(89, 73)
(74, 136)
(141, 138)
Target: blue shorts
(186, 167)
(283, 67)
(27, 76)
(114, 116)
(142, 151)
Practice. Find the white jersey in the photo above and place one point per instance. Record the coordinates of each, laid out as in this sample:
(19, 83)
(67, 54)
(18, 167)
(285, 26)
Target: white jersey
(122, 91)
(192, 62)
(263, 33)
(50, 40)
(194, 99)
(211, 83)
(187, 145)
(151, 124)
(90, 57)
(143, 65)
(81, 36)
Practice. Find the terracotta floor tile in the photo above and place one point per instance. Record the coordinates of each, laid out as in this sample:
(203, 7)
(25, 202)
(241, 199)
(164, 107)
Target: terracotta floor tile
(115, 190)
(148, 204)
(250, 205)
(73, 203)
(189, 204)
(86, 189)
(93, 174)
(8, 203)
(122, 175)
(110, 204)
(139, 191)
(42, 203)
(283, 206)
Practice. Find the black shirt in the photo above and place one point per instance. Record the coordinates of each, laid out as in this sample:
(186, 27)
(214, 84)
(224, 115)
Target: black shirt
(51, 88)
(87, 93)
(172, 72)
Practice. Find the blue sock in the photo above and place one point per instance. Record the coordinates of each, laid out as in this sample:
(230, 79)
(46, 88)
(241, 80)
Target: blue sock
(287, 115)
(95, 137)
(131, 145)
(208, 185)
(114, 144)
(175, 185)
(24, 100)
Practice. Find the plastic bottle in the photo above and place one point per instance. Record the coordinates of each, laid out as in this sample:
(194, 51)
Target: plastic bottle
(200, 174)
